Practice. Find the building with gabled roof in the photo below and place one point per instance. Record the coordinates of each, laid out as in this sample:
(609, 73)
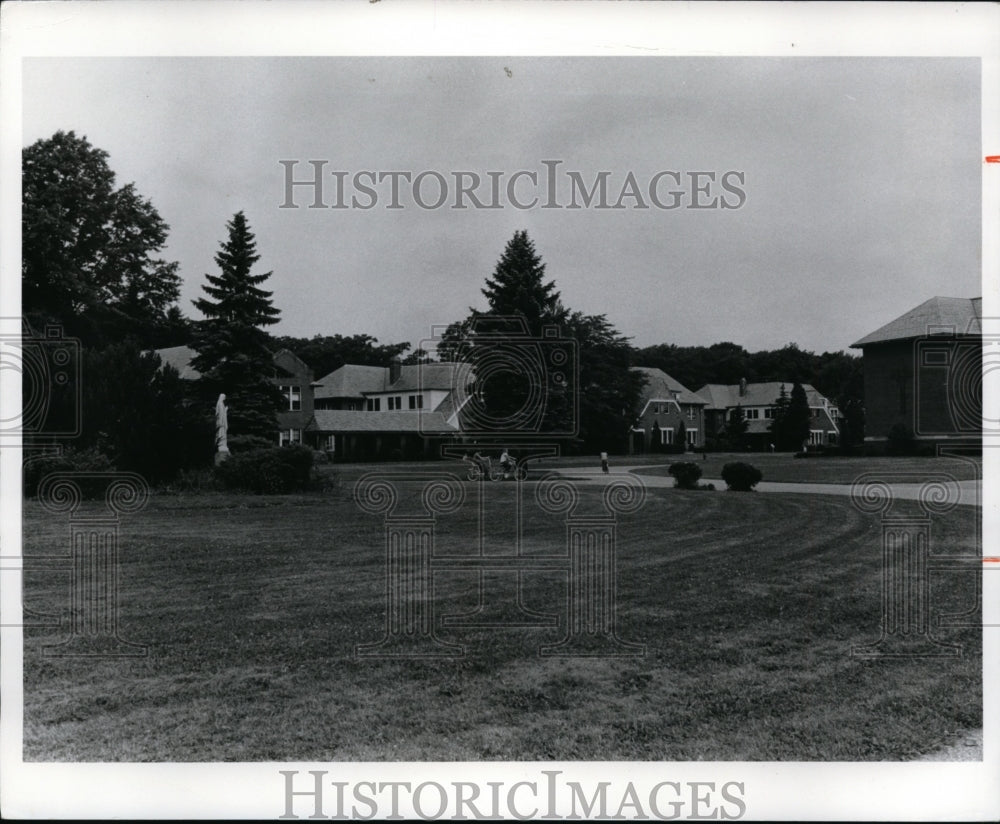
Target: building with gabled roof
(664, 405)
(291, 375)
(757, 401)
(400, 411)
(923, 374)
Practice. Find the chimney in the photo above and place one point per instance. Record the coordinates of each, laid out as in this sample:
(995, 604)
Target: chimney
(394, 369)
(743, 387)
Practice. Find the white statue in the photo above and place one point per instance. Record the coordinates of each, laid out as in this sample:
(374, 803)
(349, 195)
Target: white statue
(221, 424)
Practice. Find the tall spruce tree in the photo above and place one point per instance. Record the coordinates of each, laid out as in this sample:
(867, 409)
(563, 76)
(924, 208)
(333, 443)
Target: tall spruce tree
(736, 429)
(234, 357)
(798, 417)
(779, 421)
(518, 286)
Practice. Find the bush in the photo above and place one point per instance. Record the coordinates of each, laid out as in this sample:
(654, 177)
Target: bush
(248, 443)
(275, 470)
(741, 477)
(685, 474)
(72, 460)
(901, 441)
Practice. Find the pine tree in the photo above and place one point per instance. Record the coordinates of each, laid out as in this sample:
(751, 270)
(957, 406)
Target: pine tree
(779, 423)
(798, 417)
(518, 286)
(682, 438)
(655, 438)
(233, 349)
(736, 428)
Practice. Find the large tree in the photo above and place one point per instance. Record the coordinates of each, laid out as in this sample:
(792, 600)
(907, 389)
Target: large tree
(90, 251)
(234, 350)
(518, 286)
(798, 417)
(600, 399)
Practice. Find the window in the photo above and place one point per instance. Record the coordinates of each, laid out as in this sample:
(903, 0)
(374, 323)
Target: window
(293, 396)
(816, 437)
(769, 412)
(667, 436)
(375, 404)
(289, 436)
(692, 437)
(330, 443)
(690, 413)
(416, 401)
(395, 403)
(751, 414)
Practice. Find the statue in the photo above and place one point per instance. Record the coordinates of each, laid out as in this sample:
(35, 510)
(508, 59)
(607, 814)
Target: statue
(221, 429)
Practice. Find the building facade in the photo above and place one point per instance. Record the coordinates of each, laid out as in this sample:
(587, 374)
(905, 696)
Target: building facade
(923, 374)
(667, 412)
(757, 400)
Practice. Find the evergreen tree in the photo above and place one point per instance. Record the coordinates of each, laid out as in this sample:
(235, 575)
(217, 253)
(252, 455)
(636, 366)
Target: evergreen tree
(655, 438)
(518, 286)
(779, 423)
(798, 418)
(234, 355)
(736, 429)
(682, 438)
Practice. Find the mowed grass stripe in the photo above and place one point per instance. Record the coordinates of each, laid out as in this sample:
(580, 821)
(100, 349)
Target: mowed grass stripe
(748, 606)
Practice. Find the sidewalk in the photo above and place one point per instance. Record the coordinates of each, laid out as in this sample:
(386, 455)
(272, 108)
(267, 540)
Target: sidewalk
(970, 492)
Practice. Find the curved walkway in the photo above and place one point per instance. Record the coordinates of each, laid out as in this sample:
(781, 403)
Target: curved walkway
(970, 492)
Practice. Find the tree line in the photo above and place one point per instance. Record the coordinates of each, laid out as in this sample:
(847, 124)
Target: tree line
(93, 264)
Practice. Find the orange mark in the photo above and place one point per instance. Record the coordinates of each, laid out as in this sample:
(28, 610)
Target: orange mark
(991, 560)
(993, 158)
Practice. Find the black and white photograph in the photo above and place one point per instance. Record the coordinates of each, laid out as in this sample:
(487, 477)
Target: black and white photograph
(499, 410)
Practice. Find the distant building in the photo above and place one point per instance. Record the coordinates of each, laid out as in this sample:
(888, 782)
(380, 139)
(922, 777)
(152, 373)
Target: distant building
(399, 411)
(291, 375)
(664, 405)
(758, 403)
(923, 373)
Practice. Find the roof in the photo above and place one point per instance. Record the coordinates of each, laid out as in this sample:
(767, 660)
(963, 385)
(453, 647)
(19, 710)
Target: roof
(722, 396)
(954, 316)
(352, 381)
(660, 386)
(180, 358)
(342, 420)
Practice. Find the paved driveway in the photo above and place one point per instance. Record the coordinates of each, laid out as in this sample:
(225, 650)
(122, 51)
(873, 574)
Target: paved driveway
(970, 492)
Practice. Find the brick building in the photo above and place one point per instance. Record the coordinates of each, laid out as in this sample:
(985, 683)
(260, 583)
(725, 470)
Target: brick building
(923, 374)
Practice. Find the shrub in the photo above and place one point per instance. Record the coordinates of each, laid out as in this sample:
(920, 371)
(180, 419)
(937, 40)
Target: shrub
(72, 460)
(248, 443)
(900, 440)
(741, 477)
(685, 474)
(275, 470)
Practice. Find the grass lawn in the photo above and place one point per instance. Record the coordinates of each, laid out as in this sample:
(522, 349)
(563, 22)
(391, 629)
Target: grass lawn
(748, 605)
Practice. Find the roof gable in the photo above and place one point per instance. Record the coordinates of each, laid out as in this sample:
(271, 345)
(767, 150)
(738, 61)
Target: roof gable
(661, 386)
(953, 316)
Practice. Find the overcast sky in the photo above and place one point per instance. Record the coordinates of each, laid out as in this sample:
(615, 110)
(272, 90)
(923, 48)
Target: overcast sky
(862, 182)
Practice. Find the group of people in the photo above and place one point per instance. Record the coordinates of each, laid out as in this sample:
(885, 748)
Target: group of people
(506, 461)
